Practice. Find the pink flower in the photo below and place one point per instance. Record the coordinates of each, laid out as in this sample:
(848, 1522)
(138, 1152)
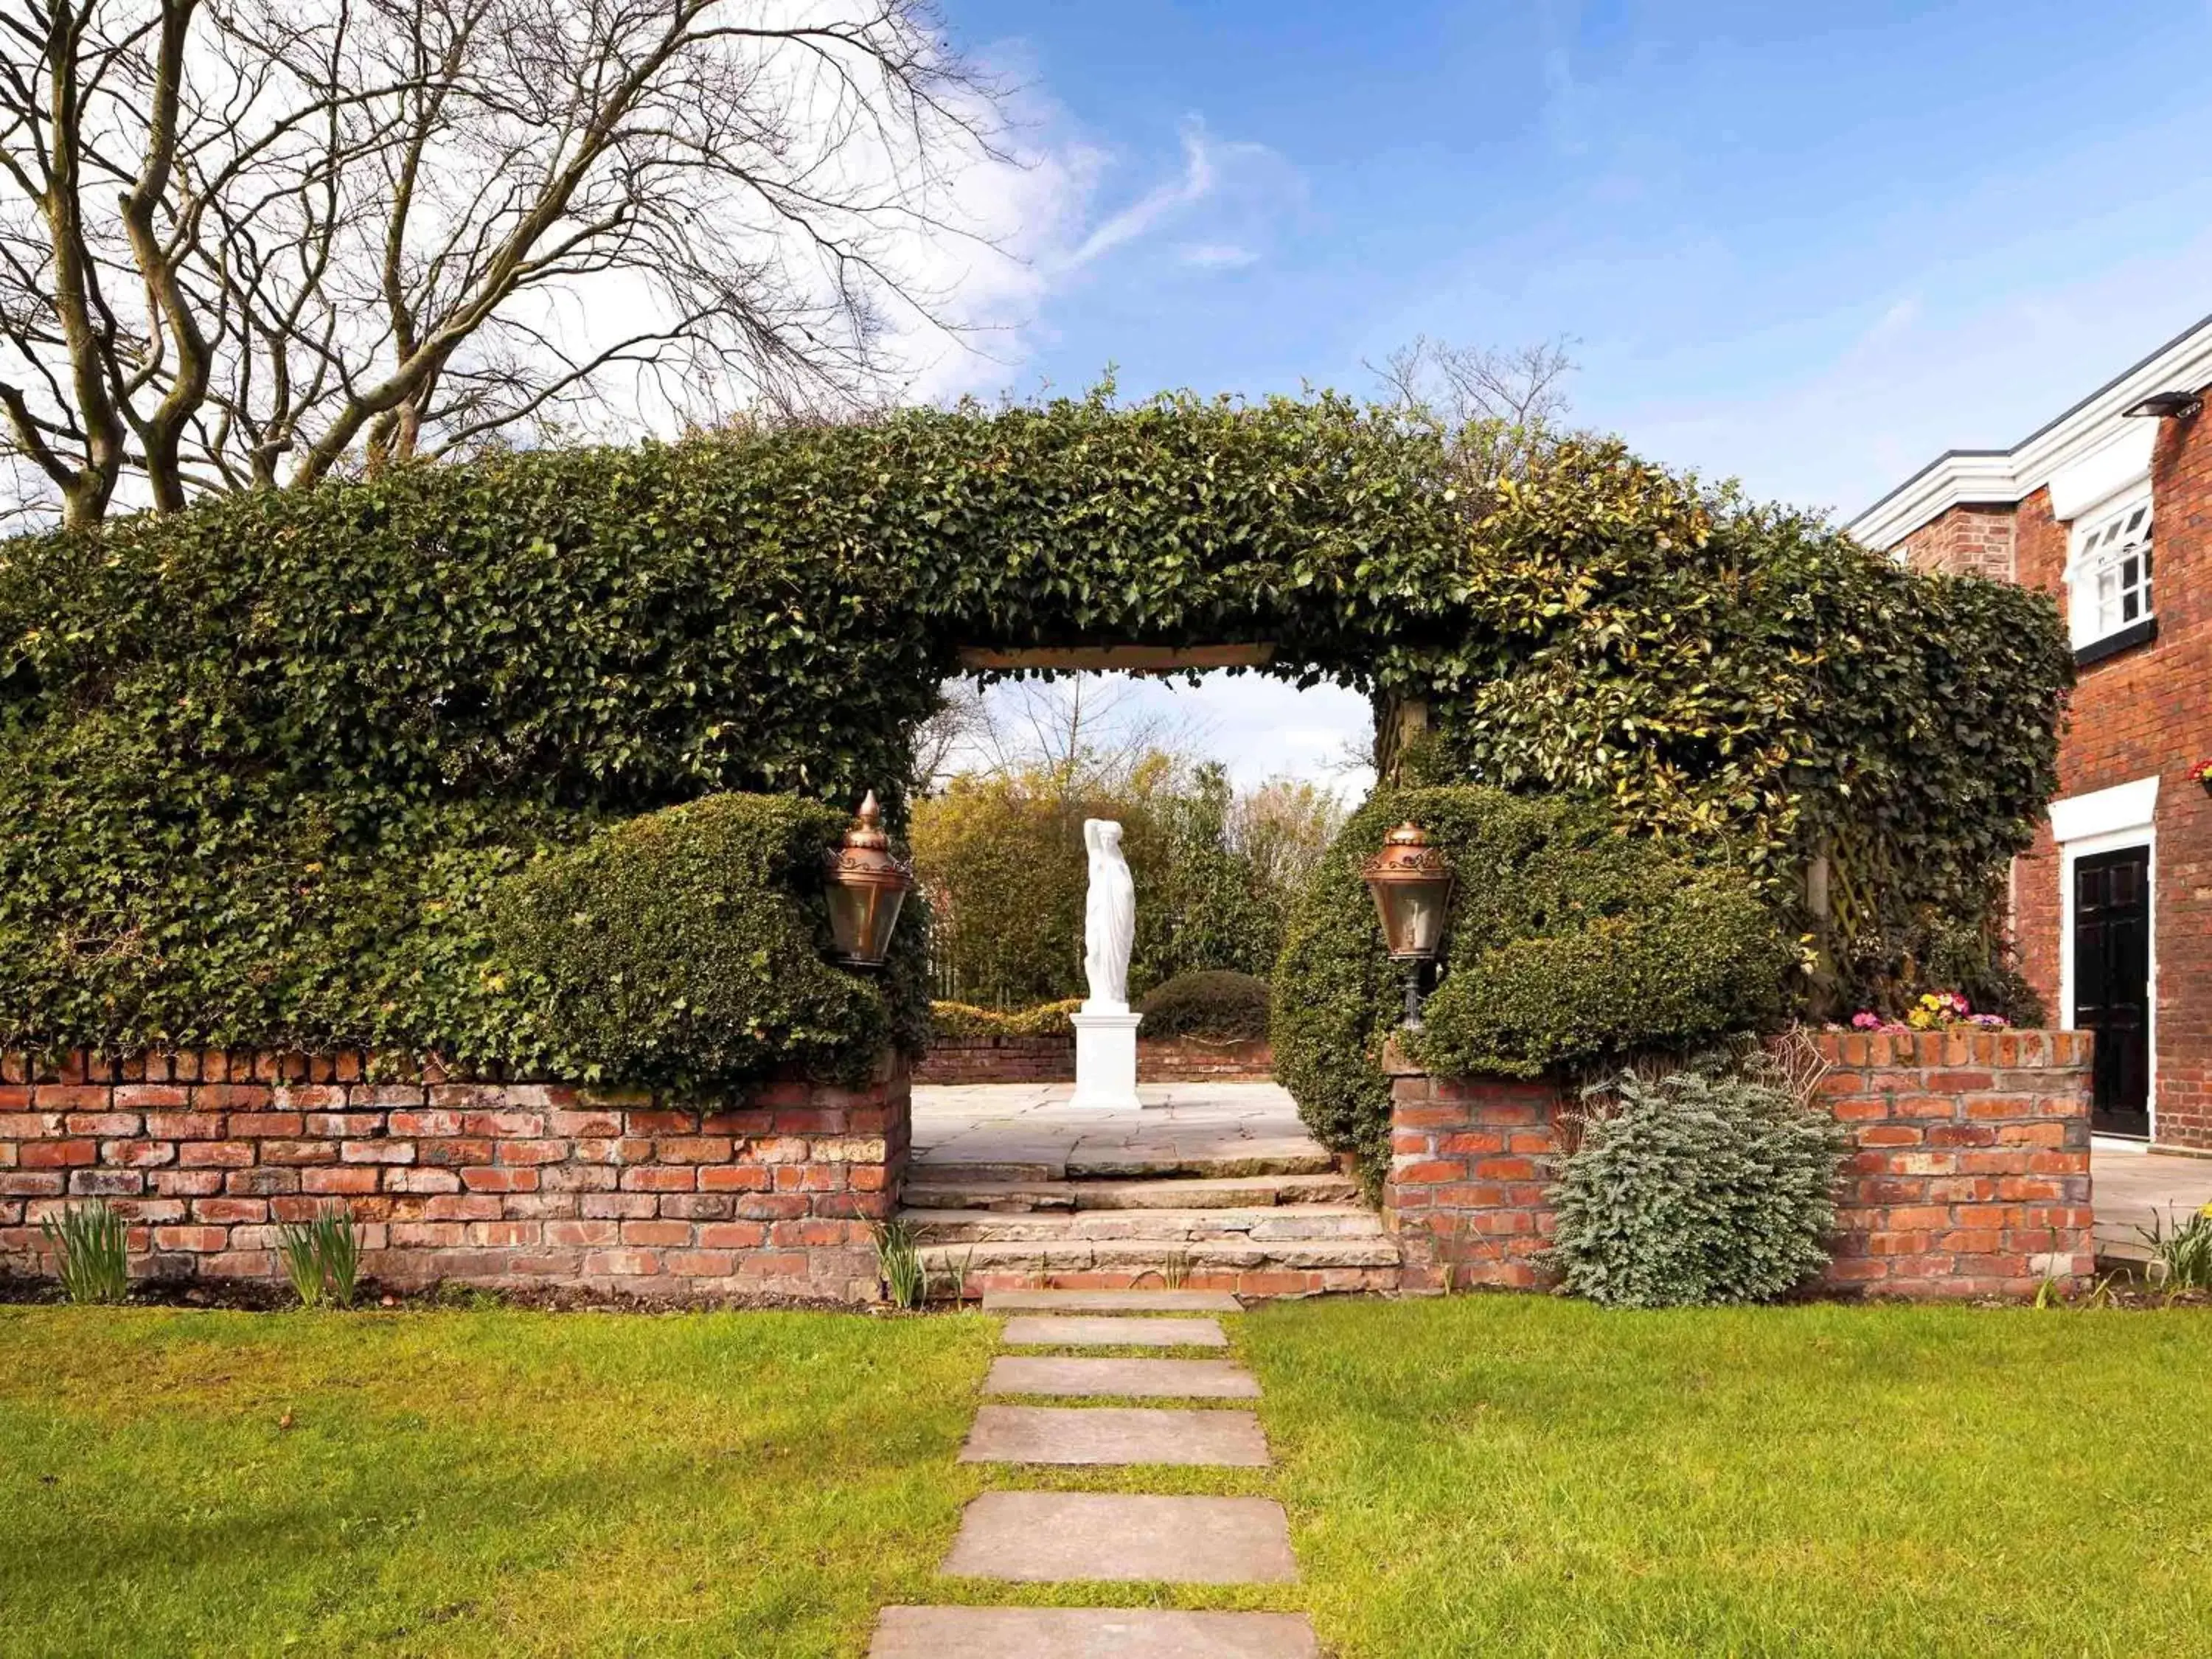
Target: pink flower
(1866, 1021)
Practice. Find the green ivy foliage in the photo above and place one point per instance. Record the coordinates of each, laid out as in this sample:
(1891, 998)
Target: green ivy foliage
(261, 761)
(1570, 943)
(1702, 1185)
(688, 948)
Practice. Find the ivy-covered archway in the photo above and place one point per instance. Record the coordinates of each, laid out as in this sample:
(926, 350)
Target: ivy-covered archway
(264, 759)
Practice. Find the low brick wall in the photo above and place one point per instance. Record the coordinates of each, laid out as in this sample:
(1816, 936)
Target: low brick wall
(1052, 1060)
(1969, 1173)
(998, 1060)
(489, 1182)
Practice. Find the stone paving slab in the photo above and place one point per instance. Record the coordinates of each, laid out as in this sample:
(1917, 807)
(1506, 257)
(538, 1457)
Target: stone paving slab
(1202, 1127)
(1089, 1633)
(2133, 1190)
(1115, 1434)
(1087, 1331)
(1197, 1301)
(1154, 1379)
(1038, 1537)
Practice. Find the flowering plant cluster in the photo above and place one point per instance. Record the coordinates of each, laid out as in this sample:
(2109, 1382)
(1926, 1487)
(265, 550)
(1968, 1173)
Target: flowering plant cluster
(1936, 1011)
(2203, 772)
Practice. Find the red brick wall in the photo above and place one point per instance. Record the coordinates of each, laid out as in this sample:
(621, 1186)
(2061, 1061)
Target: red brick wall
(1967, 540)
(1052, 1060)
(2146, 711)
(497, 1183)
(998, 1060)
(1469, 1161)
(1969, 1173)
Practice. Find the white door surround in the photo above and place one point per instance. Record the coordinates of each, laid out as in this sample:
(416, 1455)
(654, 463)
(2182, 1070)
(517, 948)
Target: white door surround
(2107, 821)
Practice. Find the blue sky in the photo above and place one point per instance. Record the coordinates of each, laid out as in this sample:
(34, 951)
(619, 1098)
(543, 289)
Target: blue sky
(1808, 245)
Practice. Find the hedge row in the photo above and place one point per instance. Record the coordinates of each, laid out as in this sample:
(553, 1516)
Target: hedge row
(260, 761)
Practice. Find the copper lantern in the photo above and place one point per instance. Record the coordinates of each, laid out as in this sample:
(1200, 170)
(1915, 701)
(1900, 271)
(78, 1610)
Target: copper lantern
(1411, 882)
(867, 885)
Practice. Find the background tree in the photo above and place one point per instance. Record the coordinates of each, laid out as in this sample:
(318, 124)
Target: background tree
(1001, 856)
(247, 244)
(1456, 386)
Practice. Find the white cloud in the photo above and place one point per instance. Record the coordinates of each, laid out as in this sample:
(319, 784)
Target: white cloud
(1040, 226)
(1216, 255)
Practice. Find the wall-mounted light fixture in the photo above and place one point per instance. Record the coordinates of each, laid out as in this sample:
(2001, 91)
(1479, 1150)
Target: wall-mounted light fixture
(1411, 884)
(867, 885)
(2168, 406)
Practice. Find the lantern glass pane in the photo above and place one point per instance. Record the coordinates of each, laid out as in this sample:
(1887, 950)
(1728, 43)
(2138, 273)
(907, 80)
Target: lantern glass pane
(1413, 916)
(861, 919)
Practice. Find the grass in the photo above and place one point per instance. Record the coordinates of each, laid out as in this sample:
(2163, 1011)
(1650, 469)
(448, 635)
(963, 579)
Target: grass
(1510, 1476)
(477, 1483)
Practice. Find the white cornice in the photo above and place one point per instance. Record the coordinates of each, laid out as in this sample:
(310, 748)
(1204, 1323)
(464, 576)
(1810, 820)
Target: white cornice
(2007, 476)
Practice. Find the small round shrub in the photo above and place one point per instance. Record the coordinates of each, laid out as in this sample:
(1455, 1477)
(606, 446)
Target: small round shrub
(1216, 1005)
(1572, 944)
(1702, 1185)
(689, 948)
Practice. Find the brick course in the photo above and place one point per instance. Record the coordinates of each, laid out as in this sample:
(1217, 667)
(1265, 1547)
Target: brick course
(489, 1183)
(1969, 1173)
(1968, 540)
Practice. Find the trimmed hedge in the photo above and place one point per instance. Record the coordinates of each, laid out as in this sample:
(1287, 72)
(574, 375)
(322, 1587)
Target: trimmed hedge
(964, 1020)
(1219, 1005)
(259, 760)
(689, 948)
(1571, 943)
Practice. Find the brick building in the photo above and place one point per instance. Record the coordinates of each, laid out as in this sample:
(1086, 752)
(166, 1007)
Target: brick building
(2113, 908)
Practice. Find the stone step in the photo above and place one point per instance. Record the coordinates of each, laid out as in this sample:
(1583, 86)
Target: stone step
(1163, 1256)
(1044, 1301)
(926, 1191)
(1090, 1634)
(1284, 1156)
(1133, 1379)
(1070, 1435)
(1045, 1537)
(1106, 1331)
(1269, 1224)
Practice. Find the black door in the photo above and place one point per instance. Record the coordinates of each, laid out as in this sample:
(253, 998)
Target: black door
(2112, 982)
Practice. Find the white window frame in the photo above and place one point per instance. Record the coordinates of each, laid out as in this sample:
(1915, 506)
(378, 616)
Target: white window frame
(2092, 553)
(2110, 821)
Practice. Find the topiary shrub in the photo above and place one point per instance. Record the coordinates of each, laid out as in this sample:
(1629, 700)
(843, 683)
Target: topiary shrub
(688, 949)
(1702, 1185)
(1571, 943)
(965, 1019)
(1217, 1004)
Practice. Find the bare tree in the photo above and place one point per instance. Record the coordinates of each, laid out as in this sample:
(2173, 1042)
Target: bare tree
(1090, 732)
(249, 242)
(1454, 385)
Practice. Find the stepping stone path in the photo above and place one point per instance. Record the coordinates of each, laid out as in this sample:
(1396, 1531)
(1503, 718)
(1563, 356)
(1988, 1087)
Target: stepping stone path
(1136, 1538)
(1130, 1379)
(1097, 1331)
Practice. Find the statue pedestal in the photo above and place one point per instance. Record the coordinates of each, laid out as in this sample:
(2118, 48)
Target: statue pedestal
(1105, 1058)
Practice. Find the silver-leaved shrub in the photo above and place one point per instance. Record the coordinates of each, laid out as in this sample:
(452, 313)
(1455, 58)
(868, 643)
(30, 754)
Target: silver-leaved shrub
(1704, 1185)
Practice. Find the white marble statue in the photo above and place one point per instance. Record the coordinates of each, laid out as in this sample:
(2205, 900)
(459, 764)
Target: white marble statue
(1110, 919)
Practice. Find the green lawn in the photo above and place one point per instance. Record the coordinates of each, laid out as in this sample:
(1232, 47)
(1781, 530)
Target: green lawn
(1491, 1475)
(1507, 1476)
(465, 1483)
